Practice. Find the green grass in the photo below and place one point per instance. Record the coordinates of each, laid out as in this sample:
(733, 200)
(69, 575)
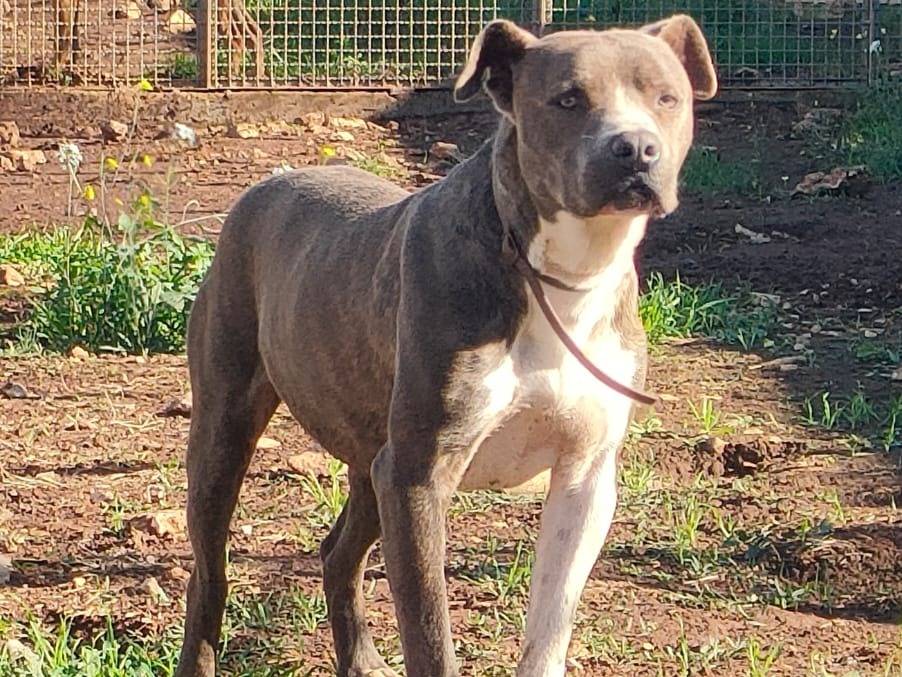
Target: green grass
(130, 291)
(59, 652)
(705, 173)
(858, 413)
(872, 135)
(674, 309)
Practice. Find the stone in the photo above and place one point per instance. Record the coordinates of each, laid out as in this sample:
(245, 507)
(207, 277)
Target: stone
(25, 160)
(9, 134)
(10, 276)
(79, 353)
(113, 130)
(180, 22)
(442, 150)
(244, 130)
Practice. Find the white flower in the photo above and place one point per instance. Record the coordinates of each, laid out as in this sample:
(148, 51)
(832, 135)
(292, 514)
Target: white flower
(70, 156)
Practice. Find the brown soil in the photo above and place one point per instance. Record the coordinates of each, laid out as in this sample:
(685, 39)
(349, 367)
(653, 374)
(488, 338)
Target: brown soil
(812, 565)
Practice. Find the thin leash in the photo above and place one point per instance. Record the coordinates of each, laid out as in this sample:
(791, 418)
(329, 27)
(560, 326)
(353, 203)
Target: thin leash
(534, 279)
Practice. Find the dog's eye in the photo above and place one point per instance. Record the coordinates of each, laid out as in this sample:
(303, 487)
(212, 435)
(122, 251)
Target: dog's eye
(568, 100)
(667, 101)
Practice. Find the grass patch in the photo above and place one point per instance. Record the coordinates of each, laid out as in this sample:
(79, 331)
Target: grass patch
(126, 291)
(60, 652)
(872, 135)
(857, 413)
(674, 309)
(705, 173)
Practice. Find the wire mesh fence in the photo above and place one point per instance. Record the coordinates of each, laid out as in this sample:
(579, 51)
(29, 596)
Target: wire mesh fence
(414, 43)
(101, 43)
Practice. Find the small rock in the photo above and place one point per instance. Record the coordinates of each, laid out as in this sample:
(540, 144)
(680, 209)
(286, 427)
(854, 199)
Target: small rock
(305, 462)
(5, 7)
(9, 134)
(268, 443)
(6, 568)
(177, 574)
(244, 130)
(247, 529)
(711, 445)
(16, 391)
(311, 120)
(347, 123)
(6, 165)
(182, 132)
(176, 408)
(113, 130)
(18, 651)
(442, 150)
(181, 22)
(11, 277)
(161, 6)
(162, 523)
(79, 582)
(897, 373)
(152, 588)
(79, 353)
(342, 135)
(25, 160)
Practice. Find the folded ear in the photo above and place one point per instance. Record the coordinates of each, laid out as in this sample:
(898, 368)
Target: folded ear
(688, 43)
(496, 49)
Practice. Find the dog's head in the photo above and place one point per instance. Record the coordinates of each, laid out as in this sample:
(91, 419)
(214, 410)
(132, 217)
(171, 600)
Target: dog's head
(603, 119)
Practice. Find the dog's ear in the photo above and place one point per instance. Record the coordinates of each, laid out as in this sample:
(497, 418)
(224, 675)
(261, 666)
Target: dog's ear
(688, 43)
(497, 48)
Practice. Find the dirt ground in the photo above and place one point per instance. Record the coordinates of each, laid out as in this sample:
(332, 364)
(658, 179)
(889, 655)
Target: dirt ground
(764, 545)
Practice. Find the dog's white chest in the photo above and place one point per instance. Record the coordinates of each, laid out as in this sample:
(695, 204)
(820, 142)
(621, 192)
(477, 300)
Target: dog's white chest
(542, 403)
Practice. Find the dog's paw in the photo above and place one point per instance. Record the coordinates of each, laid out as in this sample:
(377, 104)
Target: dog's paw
(375, 672)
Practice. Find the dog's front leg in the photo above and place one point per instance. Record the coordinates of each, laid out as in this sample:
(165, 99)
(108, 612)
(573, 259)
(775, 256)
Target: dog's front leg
(412, 514)
(575, 521)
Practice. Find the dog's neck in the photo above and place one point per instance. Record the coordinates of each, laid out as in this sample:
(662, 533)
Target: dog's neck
(580, 252)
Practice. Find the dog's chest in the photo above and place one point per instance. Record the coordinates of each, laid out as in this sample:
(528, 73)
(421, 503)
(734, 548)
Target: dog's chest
(542, 403)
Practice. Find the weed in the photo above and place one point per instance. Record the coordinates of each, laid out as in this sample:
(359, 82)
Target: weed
(705, 173)
(872, 135)
(760, 663)
(707, 417)
(131, 294)
(57, 651)
(674, 309)
(309, 611)
(825, 414)
(379, 164)
(329, 498)
(183, 66)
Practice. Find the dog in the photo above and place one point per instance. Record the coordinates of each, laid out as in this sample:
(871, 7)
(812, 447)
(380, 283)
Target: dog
(410, 335)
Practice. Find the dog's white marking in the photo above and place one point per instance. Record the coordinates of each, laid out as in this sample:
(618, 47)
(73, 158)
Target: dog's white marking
(546, 411)
(575, 522)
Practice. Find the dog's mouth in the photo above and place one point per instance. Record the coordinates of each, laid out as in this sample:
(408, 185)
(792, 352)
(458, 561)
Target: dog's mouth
(634, 194)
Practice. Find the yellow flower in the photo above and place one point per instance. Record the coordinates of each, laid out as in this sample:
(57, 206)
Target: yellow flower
(147, 160)
(144, 200)
(327, 152)
(89, 193)
(111, 164)
(145, 86)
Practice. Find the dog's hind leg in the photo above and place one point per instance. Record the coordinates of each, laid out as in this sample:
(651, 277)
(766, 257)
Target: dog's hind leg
(232, 402)
(344, 553)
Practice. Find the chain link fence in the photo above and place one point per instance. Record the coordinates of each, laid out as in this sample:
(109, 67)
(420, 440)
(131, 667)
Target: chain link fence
(359, 44)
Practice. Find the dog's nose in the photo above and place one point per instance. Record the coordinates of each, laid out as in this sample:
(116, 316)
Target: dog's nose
(638, 151)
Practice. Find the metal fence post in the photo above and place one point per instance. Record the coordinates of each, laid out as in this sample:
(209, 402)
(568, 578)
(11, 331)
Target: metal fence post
(541, 16)
(206, 53)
